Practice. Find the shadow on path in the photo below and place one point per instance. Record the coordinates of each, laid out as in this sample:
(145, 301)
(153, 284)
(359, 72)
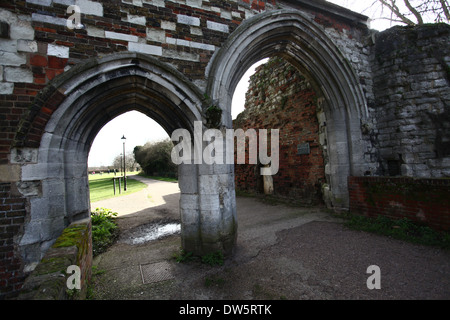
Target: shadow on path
(282, 253)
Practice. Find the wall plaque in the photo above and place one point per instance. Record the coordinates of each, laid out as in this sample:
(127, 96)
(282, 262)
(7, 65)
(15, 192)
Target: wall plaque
(303, 149)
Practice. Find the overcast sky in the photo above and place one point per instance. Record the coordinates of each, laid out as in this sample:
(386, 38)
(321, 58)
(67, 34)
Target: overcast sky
(140, 129)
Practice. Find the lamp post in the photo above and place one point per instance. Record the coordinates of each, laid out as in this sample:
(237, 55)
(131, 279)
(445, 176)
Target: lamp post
(121, 162)
(124, 166)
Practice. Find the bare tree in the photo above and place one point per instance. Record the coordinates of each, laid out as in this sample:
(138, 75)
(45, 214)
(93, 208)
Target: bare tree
(130, 162)
(413, 12)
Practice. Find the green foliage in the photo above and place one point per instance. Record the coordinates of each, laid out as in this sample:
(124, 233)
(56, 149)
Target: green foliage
(73, 294)
(402, 229)
(183, 256)
(213, 259)
(214, 282)
(155, 158)
(104, 229)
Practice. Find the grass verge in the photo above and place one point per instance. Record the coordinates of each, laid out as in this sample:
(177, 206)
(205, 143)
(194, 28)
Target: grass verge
(402, 229)
(101, 187)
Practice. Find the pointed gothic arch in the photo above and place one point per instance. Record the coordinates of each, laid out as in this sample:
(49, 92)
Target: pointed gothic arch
(292, 35)
(79, 104)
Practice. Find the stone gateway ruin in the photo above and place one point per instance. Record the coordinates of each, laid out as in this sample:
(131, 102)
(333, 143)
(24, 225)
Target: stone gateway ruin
(378, 103)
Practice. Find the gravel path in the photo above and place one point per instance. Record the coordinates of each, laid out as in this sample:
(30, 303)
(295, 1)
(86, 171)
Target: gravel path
(282, 253)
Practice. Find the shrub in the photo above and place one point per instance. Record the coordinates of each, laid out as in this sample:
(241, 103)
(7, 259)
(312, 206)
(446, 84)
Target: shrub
(104, 229)
(155, 157)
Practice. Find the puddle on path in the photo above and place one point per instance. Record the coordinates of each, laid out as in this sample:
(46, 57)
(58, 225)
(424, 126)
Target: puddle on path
(151, 232)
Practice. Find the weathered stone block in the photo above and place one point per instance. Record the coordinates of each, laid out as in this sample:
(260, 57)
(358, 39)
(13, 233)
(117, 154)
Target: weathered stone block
(90, 7)
(19, 75)
(48, 19)
(27, 45)
(46, 3)
(22, 29)
(12, 59)
(194, 3)
(141, 20)
(218, 26)
(168, 25)
(58, 51)
(9, 173)
(30, 188)
(184, 56)
(121, 36)
(209, 202)
(8, 45)
(144, 48)
(156, 35)
(95, 32)
(188, 20)
(189, 201)
(6, 88)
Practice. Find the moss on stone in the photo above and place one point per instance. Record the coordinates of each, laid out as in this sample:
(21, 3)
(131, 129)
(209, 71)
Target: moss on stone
(52, 265)
(213, 117)
(72, 236)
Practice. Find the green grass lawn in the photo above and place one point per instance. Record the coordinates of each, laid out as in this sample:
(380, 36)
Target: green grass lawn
(101, 187)
(166, 179)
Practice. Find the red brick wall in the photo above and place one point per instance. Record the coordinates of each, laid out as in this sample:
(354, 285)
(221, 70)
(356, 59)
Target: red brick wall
(421, 200)
(12, 217)
(279, 97)
(22, 117)
(19, 109)
(259, 5)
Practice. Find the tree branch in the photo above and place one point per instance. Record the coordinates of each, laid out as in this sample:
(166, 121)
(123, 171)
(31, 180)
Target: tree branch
(445, 8)
(394, 9)
(414, 12)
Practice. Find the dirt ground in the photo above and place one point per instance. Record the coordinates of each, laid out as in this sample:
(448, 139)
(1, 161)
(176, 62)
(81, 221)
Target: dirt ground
(282, 253)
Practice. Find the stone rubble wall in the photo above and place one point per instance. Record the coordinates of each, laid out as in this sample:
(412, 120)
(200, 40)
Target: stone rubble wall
(411, 74)
(280, 97)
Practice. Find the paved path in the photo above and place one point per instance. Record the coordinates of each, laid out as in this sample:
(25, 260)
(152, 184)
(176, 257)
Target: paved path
(154, 195)
(281, 253)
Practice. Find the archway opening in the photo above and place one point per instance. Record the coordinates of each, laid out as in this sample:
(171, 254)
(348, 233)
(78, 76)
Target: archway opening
(135, 126)
(133, 184)
(280, 97)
